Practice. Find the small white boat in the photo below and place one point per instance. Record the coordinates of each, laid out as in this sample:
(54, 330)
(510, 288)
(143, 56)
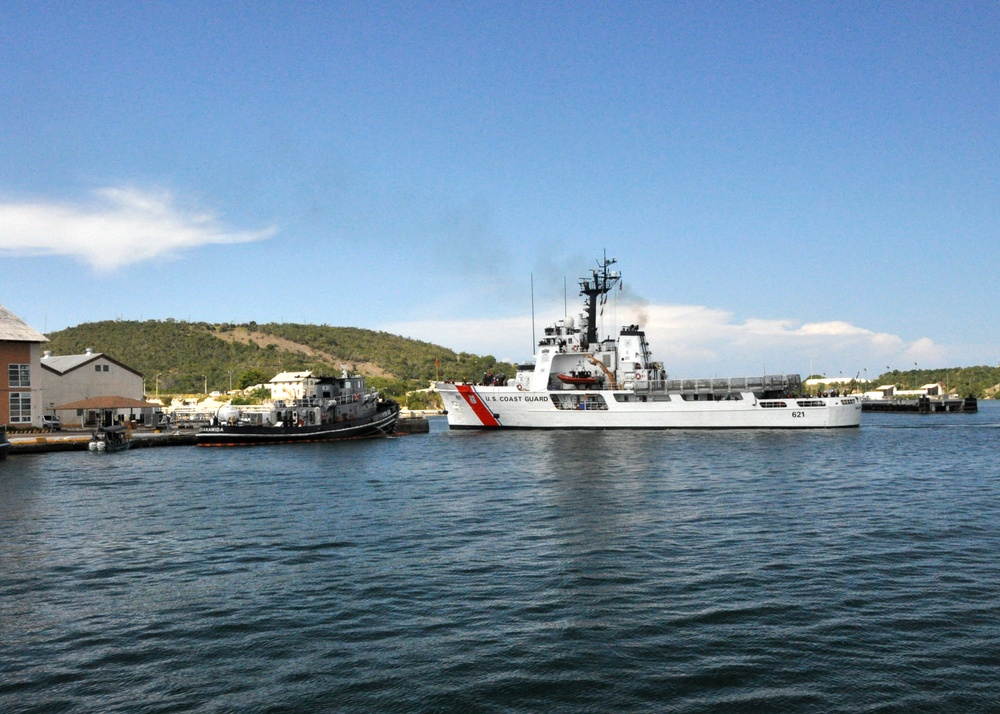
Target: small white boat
(111, 438)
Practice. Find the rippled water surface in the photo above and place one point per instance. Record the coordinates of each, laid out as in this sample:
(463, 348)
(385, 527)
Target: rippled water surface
(844, 571)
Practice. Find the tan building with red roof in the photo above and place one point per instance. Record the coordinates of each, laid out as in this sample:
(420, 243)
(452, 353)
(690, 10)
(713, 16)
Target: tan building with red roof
(108, 410)
(84, 388)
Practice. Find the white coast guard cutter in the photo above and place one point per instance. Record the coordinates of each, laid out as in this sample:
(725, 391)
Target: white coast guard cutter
(580, 382)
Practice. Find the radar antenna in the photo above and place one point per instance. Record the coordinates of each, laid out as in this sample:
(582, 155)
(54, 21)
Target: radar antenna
(596, 288)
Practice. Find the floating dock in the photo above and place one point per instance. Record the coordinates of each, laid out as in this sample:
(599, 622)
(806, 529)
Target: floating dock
(412, 424)
(923, 405)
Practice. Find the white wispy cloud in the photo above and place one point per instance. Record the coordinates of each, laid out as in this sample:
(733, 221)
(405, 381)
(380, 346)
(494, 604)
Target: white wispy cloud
(698, 341)
(117, 227)
(692, 336)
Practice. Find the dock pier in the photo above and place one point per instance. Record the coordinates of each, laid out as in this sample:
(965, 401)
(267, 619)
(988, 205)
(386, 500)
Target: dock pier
(80, 441)
(923, 405)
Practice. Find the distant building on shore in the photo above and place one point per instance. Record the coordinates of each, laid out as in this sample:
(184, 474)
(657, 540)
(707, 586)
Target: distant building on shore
(890, 391)
(20, 365)
(292, 385)
(90, 388)
(827, 384)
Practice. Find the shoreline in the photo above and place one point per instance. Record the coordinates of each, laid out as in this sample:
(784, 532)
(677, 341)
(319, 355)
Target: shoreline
(79, 440)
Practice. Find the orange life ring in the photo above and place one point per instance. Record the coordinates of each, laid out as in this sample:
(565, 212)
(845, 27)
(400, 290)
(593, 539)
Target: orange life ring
(576, 348)
(520, 387)
(638, 376)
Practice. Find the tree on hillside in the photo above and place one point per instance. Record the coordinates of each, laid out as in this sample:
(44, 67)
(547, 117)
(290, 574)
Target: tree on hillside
(252, 377)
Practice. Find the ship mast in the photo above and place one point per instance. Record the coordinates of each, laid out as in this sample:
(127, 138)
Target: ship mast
(596, 289)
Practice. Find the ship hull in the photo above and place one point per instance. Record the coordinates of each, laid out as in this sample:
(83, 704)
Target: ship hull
(482, 407)
(381, 423)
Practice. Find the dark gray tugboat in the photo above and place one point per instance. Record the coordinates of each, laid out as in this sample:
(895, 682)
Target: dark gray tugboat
(338, 408)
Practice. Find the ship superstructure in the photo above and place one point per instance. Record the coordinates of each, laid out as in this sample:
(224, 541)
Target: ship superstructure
(580, 381)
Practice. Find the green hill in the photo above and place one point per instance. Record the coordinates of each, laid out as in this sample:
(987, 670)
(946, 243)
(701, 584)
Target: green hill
(982, 382)
(978, 381)
(179, 357)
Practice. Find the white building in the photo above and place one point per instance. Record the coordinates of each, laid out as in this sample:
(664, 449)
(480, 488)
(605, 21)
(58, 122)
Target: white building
(821, 384)
(292, 385)
(885, 391)
(889, 391)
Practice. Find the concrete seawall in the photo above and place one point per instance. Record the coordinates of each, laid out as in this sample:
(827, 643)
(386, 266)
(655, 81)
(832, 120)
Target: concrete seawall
(413, 425)
(80, 441)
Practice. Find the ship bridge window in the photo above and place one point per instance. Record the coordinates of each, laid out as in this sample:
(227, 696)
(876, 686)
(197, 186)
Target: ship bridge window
(581, 402)
(772, 405)
(810, 403)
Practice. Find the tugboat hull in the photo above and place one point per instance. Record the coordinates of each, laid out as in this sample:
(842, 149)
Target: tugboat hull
(381, 423)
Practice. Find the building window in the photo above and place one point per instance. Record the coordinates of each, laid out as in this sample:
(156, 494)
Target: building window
(19, 375)
(20, 407)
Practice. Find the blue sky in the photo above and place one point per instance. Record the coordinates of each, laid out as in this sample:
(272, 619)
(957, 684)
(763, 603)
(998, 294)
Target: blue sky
(786, 186)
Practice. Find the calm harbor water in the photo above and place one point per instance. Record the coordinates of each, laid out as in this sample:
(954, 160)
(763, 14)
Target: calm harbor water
(838, 571)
